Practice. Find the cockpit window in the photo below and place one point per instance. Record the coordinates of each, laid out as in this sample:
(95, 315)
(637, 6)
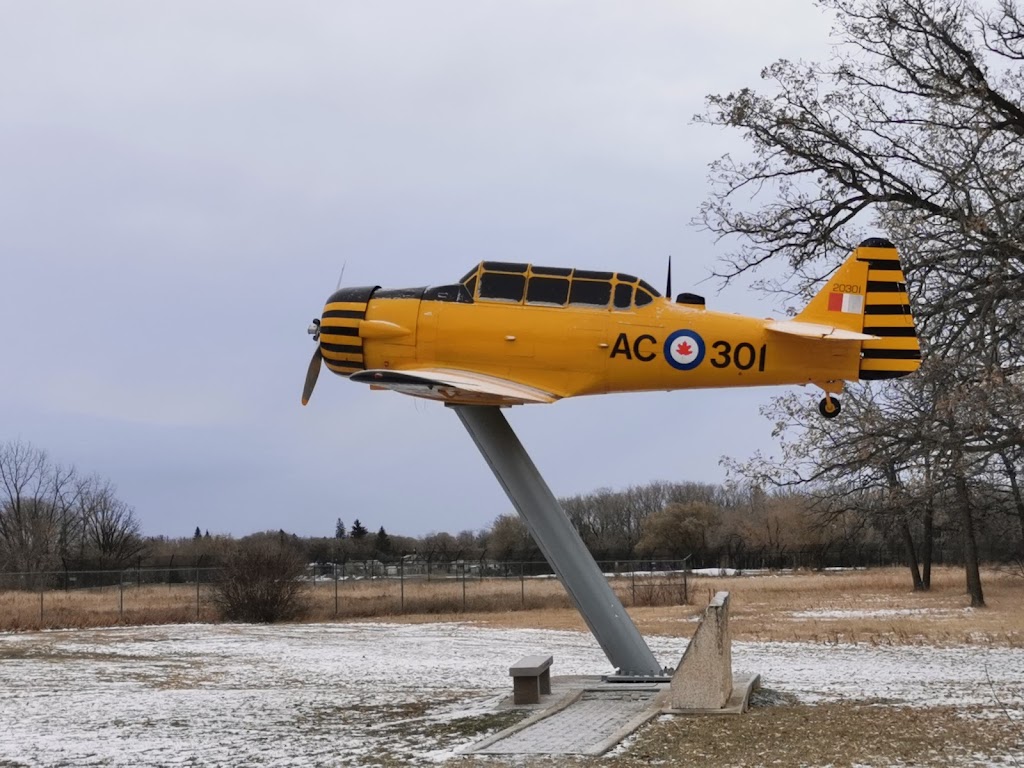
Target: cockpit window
(593, 293)
(555, 271)
(502, 287)
(552, 291)
(587, 274)
(623, 296)
(556, 286)
(653, 291)
(505, 266)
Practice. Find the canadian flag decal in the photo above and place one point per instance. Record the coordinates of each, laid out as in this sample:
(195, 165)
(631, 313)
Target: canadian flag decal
(846, 302)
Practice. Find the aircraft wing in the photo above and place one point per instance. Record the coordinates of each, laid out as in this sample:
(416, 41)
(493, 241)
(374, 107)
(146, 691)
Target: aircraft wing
(451, 386)
(816, 331)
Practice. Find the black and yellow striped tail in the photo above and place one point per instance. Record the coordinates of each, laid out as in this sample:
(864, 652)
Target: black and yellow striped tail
(340, 344)
(887, 315)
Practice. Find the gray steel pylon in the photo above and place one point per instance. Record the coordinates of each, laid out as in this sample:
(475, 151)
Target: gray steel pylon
(558, 540)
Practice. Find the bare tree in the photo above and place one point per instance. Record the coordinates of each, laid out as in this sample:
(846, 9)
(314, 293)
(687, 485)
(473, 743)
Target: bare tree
(35, 496)
(110, 532)
(679, 530)
(260, 580)
(916, 127)
(50, 516)
(509, 539)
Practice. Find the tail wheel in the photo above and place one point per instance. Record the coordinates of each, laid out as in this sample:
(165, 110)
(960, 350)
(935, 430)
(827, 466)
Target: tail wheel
(830, 407)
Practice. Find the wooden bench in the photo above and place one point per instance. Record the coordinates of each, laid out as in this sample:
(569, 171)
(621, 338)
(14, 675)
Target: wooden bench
(531, 676)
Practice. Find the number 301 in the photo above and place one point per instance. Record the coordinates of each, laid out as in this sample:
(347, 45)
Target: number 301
(743, 356)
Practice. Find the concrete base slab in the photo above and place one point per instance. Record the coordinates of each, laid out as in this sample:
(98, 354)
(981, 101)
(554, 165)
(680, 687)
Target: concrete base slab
(589, 718)
(739, 701)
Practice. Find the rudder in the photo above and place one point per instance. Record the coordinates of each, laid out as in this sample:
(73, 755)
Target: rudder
(868, 294)
(887, 314)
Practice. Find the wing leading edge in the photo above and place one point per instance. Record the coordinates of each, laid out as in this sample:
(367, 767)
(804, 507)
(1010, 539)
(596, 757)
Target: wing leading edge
(451, 386)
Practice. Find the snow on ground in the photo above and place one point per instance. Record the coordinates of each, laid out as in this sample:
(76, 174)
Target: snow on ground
(350, 694)
(880, 613)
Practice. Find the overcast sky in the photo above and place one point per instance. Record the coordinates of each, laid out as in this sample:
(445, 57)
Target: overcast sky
(181, 183)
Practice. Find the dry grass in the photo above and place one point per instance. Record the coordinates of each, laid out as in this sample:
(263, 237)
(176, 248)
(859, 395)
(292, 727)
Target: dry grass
(839, 735)
(103, 606)
(875, 606)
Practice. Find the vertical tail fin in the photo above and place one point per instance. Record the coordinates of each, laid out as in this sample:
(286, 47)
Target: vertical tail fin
(868, 294)
(887, 315)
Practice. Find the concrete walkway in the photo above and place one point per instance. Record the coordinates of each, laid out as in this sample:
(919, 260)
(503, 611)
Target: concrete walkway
(587, 721)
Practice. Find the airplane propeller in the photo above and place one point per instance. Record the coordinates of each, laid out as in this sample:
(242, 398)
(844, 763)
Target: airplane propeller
(314, 365)
(668, 280)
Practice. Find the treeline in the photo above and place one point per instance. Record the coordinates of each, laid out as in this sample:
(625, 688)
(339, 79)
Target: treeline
(708, 525)
(52, 517)
(741, 525)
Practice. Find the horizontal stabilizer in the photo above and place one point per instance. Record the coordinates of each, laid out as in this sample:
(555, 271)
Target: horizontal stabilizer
(816, 331)
(451, 386)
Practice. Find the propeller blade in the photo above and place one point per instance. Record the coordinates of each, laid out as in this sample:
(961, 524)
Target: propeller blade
(668, 280)
(311, 375)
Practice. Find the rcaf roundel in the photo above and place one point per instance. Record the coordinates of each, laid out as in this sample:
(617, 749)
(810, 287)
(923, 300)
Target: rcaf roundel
(684, 350)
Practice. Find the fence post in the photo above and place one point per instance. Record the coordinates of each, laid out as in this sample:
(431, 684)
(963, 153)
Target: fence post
(463, 565)
(522, 584)
(401, 585)
(120, 590)
(632, 580)
(335, 590)
(197, 590)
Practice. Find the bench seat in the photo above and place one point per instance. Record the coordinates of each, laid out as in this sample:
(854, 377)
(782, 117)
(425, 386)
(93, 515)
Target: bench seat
(531, 677)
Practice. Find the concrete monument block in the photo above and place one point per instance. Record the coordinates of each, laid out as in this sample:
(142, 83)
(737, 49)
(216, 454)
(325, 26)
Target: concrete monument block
(703, 679)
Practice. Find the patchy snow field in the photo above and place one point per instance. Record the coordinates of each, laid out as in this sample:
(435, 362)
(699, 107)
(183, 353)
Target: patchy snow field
(363, 694)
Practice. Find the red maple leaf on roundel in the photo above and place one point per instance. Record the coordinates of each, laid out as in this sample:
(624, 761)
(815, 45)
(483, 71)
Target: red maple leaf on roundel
(684, 349)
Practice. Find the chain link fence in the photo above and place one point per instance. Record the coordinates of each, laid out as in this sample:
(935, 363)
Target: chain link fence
(364, 588)
(335, 590)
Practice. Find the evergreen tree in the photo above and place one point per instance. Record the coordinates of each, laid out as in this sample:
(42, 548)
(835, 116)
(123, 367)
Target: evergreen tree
(339, 529)
(358, 531)
(198, 534)
(382, 542)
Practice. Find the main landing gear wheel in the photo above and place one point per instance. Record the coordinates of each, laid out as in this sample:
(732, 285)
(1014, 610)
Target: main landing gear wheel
(829, 407)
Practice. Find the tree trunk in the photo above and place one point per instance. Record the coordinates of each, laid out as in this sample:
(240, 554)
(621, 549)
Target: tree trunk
(915, 571)
(1018, 502)
(970, 543)
(928, 536)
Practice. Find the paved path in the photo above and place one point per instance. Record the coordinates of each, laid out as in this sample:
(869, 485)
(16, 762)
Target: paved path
(585, 727)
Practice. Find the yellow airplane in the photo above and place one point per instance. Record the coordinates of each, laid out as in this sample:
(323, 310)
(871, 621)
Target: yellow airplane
(509, 334)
